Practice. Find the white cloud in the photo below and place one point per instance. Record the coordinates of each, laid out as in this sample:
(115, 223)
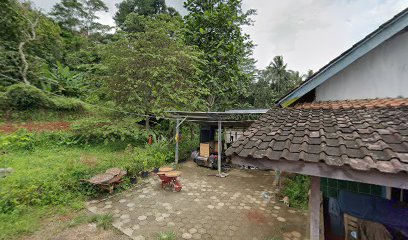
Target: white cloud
(308, 33)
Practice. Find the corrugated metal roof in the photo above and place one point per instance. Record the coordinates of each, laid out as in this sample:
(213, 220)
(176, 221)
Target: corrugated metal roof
(247, 111)
(229, 118)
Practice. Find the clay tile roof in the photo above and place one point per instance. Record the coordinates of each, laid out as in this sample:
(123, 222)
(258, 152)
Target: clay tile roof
(362, 134)
(364, 103)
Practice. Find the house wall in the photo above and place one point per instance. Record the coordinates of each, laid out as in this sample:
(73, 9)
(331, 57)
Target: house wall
(382, 73)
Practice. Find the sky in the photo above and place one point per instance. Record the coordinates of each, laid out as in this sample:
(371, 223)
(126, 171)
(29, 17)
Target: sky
(307, 33)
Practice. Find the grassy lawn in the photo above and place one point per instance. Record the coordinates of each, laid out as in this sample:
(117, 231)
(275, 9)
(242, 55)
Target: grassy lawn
(46, 182)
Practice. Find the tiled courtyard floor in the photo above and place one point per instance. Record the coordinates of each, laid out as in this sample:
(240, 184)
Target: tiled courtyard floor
(207, 207)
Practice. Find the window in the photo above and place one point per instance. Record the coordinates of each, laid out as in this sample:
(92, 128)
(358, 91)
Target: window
(398, 194)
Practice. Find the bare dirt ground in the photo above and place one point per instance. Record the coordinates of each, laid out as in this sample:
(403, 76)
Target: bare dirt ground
(58, 228)
(35, 126)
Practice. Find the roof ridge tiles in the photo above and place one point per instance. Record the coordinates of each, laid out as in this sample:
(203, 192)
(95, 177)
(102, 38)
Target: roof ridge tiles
(353, 104)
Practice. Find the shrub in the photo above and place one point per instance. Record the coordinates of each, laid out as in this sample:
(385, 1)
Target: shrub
(67, 104)
(25, 140)
(296, 189)
(3, 101)
(22, 97)
(54, 138)
(152, 156)
(27, 97)
(186, 146)
(95, 130)
(20, 139)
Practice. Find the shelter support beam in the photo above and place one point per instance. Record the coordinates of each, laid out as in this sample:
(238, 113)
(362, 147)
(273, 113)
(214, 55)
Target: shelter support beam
(178, 124)
(397, 180)
(314, 211)
(176, 157)
(219, 146)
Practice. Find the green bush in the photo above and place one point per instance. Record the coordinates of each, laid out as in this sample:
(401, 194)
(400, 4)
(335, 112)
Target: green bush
(67, 104)
(23, 97)
(152, 156)
(186, 146)
(25, 140)
(96, 130)
(20, 139)
(3, 101)
(27, 97)
(296, 189)
(54, 138)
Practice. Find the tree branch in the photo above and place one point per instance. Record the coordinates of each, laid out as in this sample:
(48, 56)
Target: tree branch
(30, 37)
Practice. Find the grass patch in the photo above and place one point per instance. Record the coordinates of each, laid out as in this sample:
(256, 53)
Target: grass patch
(26, 220)
(46, 180)
(47, 172)
(166, 236)
(102, 220)
(21, 222)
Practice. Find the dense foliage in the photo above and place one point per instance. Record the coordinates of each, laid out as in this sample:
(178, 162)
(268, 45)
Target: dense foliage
(29, 40)
(215, 27)
(153, 71)
(27, 97)
(274, 82)
(140, 8)
(80, 15)
(105, 130)
(296, 188)
(155, 61)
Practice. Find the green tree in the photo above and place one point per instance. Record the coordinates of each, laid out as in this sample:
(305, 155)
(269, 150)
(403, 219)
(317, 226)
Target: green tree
(153, 71)
(143, 8)
(80, 15)
(309, 74)
(33, 40)
(215, 27)
(82, 35)
(262, 93)
(273, 82)
(278, 74)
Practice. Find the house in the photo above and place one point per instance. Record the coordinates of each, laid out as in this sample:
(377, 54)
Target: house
(346, 126)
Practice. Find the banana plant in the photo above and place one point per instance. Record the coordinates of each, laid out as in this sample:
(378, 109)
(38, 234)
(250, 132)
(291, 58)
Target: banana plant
(61, 79)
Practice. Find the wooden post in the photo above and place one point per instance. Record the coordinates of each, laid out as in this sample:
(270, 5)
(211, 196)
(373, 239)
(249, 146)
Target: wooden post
(219, 146)
(315, 208)
(176, 157)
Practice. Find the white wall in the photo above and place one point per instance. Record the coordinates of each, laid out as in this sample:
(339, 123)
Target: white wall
(382, 73)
